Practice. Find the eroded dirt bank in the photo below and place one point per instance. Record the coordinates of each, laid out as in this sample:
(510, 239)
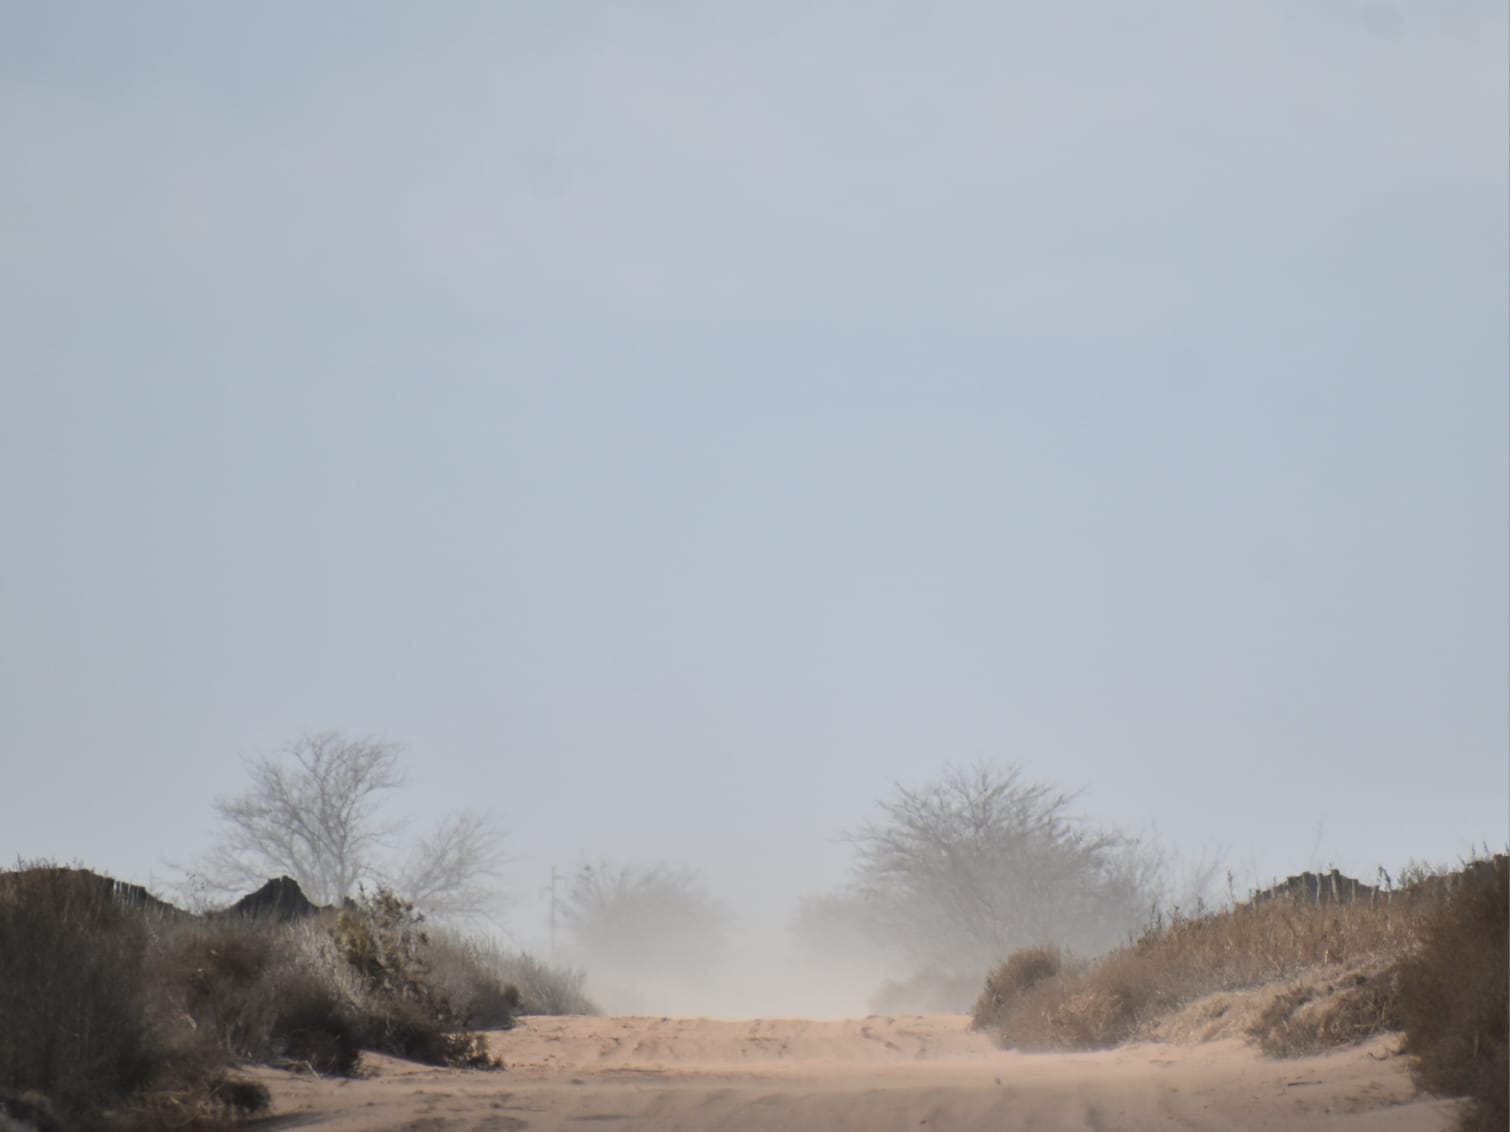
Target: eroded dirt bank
(867, 1075)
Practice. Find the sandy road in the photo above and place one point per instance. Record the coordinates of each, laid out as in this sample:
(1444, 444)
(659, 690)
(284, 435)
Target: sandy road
(867, 1075)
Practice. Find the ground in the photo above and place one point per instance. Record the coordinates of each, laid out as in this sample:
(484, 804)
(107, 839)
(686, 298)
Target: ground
(871, 1074)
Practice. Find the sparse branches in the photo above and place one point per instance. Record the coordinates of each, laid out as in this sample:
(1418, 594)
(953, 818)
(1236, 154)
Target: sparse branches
(455, 872)
(966, 869)
(314, 812)
(660, 918)
(310, 813)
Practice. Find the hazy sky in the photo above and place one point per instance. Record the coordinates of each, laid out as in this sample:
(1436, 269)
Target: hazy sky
(675, 423)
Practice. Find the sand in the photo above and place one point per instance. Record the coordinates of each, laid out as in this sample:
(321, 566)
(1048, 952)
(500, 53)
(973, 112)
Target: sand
(870, 1074)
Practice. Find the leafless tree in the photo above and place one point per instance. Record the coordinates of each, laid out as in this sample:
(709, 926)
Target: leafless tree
(314, 812)
(660, 918)
(454, 873)
(960, 872)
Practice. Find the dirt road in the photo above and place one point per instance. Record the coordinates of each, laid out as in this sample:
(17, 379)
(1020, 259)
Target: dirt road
(868, 1075)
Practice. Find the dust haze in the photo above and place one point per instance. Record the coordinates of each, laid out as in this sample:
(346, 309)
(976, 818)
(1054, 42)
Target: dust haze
(792, 506)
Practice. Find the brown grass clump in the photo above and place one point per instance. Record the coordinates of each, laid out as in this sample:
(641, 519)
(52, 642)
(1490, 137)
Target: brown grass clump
(73, 1022)
(1005, 986)
(1342, 951)
(491, 985)
(1315, 1016)
(1106, 1004)
(119, 1013)
(381, 941)
(1454, 1001)
(259, 992)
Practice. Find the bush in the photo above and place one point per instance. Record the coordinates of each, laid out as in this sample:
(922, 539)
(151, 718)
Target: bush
(1126, 992)
(118, 1012)
(1312, 1017)
(409, 1013)
(73, 1019)
(259, 992)
(1023, 970)
(492, 985)
(544, 988)
(1453, 996)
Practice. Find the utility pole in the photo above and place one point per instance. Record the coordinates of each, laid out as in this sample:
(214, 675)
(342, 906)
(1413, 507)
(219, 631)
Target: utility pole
(552, 891)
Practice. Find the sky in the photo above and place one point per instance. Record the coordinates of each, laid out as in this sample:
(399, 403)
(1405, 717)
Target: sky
(676, 425)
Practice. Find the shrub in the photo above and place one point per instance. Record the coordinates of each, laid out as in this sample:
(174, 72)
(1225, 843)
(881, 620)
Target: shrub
(492, 985)
(117, 1011)
(1126, 992)
(72, 1008)
(1022, 970)
(459, 972)
(544, 988)
(1453, 997)
(1314, 1016)
(381, 940)
(260, 995)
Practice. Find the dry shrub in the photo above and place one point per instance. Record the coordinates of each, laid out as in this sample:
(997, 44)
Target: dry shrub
(73, 1025)
(1110, 1002)
(1049, 1003)
(381, 940)
(1005, 986)
(90, 1036)
(460, 972)
(544, 988)
(208, 1103)
(492, 985)
(312, 994)
(117, 1012)
(1312, 1017)
(1126, 993)
(260, 993)
(1454, 1000)
(241, 1096)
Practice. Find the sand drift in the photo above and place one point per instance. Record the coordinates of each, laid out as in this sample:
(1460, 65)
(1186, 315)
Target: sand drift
(870, 1074)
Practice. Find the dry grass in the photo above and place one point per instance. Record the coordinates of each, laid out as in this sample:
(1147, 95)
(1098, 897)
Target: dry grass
(120, 1014)
(1022, 971)
(1127, 993)
(81, 1039)
(1315, 1015)
(1432, 960)
(1454, 1003)
(493, 983)
(72, 1002)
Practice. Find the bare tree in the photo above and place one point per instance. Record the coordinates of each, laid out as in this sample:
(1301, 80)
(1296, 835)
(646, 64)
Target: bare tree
(656, 919)
(455, 872)
(960, 872)
(314, 812)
